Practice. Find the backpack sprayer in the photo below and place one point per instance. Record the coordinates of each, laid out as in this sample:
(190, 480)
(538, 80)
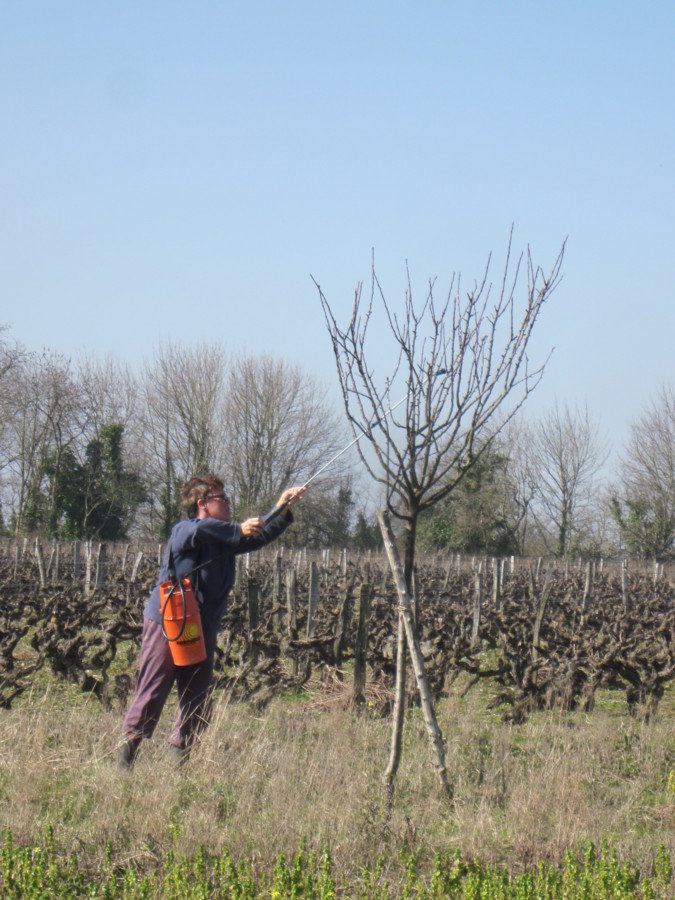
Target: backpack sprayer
(181, 619)
(179, 609)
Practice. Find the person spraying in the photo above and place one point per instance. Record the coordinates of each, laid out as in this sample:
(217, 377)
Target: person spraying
(201, 549)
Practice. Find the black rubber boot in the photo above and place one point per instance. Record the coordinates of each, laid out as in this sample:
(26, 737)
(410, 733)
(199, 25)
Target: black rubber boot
(126, 753)
(178, 755)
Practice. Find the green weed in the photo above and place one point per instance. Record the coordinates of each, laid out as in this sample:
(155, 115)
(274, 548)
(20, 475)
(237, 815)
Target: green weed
(44, 872)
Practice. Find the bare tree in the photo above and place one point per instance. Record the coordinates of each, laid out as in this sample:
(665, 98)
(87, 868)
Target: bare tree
(11, 355)
(520, 480)
(181, 424)
(281, 429)
(463, 371)
(461, 365)
(109, 392)
(644, 503)
(565, 457)
(43, 418)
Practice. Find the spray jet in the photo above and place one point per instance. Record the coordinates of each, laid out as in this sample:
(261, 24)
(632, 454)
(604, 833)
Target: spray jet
(282, 506)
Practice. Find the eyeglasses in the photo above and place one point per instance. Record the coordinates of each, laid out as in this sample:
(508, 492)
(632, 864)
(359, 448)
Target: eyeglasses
(219, 497)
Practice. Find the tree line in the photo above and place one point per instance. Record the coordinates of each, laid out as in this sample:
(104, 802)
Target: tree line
(90, 448)
(538, 489)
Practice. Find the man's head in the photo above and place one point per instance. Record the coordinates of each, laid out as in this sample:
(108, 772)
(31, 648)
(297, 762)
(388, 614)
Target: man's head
(204, 497)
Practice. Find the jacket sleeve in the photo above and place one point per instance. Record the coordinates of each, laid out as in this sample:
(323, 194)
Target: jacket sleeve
(276, 526)
(215, 531)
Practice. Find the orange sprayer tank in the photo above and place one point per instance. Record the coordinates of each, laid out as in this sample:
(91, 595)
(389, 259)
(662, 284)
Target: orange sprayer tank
(181, 622)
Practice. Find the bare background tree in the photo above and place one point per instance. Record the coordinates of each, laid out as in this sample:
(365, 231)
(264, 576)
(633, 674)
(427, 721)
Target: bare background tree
(181, 428)
(565, 456)
(280, 424)
(644, 502)
(43, 418)
(461, 364)
(520, 481)
(109, 392)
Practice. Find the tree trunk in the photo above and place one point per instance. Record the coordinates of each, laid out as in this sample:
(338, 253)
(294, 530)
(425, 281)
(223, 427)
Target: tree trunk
(410, 537)
(406, 623)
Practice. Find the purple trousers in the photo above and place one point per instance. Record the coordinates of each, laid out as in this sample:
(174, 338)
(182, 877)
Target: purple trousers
(156, 676)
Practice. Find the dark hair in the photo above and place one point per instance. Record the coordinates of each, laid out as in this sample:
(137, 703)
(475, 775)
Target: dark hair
(198, 488)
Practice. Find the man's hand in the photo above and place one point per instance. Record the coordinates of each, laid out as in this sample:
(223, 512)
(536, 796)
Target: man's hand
(252, 527)
(290, 497)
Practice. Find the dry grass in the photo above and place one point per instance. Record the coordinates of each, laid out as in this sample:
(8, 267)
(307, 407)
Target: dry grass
(257, 783)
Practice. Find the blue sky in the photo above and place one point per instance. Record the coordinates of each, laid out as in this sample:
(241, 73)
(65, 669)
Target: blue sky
(178, 170)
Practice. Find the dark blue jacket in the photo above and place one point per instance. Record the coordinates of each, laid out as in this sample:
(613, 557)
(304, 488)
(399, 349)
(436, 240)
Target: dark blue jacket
(216, 543)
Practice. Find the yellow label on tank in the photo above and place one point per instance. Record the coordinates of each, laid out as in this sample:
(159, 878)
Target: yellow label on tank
(191, 633)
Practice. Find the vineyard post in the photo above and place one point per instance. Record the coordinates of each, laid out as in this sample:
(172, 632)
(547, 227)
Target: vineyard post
(496, 585)
(477, 601)
(17, 560)
(291, 614)
(100, 565)
(543, 600)
(52, 554)
(624, 585)
(123, 563)
(361, 646)
(587, 590)
(276, 592)
(407, 628)
(41, 563)
(87, 568)
(383, 586)
(446, 580)
(57, 562)
(344, 614)
(136, 565)
(313, 600)
(253, 599)
(76, 560)
(237, 576)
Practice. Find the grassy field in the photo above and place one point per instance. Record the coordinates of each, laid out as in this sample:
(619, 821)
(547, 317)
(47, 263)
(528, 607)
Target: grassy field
(310, 769)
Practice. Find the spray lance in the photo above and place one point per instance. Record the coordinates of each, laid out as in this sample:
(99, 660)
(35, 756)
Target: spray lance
(279, 508)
